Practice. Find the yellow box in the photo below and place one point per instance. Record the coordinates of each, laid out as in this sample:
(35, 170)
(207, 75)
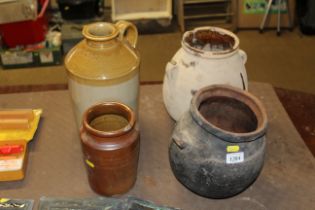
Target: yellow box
(13, 160)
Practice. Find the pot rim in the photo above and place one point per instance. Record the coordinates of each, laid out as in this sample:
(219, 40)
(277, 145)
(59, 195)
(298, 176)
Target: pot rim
(211, 54)
(250, 100)
(108, 108)
(113, 31)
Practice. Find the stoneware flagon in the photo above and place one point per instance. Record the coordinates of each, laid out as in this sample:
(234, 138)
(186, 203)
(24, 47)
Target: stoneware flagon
(104, 66)
(218, 146)
(209, 55)
(110, 141)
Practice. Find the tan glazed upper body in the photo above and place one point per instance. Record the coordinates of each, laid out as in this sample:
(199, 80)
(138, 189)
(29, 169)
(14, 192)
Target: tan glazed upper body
(104, 54)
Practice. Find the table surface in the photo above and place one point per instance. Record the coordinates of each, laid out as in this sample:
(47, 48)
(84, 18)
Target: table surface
(300, 108)
(56, 169)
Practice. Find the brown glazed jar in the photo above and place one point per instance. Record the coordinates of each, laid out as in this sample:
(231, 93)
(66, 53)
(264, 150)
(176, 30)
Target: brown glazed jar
(110, 142)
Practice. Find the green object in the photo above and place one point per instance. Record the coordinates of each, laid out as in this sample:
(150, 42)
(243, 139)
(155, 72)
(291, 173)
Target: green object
(259, 7)
(133, 203)
(19, 58)
(99, 203)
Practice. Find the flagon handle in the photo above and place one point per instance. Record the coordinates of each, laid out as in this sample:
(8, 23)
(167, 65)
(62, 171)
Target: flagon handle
(128, 31)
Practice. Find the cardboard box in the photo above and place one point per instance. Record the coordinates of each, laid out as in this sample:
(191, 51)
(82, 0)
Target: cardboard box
(17, 10)
(251, 13)
(141, 10)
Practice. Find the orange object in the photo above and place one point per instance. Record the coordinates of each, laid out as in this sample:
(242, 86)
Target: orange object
(17, 114)
(14, 124)
(13, 160)
(19, 124)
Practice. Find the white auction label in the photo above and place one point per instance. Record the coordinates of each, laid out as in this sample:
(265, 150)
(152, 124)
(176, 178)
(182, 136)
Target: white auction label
(236, 157)
(11, 164)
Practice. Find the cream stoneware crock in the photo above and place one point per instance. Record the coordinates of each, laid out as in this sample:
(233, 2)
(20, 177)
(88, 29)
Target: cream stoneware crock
(209, 55)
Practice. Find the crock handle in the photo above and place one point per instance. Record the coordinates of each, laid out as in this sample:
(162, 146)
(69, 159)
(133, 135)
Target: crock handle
(128, 31)
(171, 71)
(181, 144)
(243, 55)
(177, 139)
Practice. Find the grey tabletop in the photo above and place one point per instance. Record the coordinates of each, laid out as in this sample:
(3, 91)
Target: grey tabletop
(56, 168)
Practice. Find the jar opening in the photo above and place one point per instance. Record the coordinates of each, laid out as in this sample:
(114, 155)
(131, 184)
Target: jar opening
(109, 119)
(210, 40)
(100, 31)
(109, 122)
(229, 114)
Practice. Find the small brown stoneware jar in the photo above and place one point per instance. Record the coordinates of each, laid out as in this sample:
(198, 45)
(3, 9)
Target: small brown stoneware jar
(110, 143)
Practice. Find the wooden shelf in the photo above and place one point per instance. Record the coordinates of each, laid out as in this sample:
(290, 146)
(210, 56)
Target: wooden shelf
(190, 17)
(191, 10)
(203, 1)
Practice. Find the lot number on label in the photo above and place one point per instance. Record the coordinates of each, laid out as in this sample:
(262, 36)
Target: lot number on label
(232, 158)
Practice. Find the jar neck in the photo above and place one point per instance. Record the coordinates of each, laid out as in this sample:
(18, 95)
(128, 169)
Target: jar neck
(102, 44)
(207, 54)
(210, 42)
(101, 35)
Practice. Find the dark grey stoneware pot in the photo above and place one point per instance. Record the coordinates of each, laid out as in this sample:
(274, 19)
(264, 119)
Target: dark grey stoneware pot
(218, 146)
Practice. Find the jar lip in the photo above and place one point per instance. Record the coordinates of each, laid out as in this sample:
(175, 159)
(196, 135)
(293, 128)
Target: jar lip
(108, 108)
(223, 90)
(211, 54)
(108, 31)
